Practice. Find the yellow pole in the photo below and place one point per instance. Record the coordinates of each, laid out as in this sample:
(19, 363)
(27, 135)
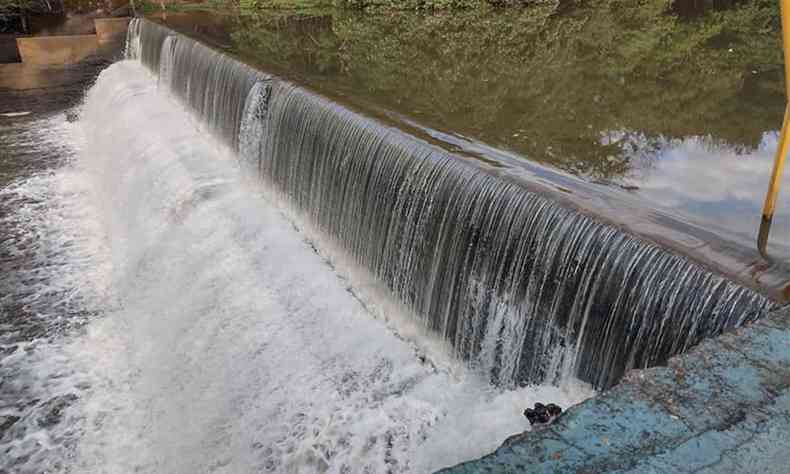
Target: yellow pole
(776, 175)
(785, 11)
(781, 150)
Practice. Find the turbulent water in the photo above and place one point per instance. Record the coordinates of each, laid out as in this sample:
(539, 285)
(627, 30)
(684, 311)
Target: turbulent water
(209, 335)
(224, 272)
(522, 288)
(51, 282)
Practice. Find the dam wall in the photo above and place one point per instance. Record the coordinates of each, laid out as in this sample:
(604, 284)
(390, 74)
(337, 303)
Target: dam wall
(523, 288)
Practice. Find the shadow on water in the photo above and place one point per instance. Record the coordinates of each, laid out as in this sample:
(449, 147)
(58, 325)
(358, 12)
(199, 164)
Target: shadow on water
(677, 111)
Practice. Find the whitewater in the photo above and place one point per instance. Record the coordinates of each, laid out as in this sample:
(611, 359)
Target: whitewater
(217, 335)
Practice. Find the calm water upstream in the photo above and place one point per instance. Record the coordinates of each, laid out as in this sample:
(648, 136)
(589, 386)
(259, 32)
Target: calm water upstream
(678, 113)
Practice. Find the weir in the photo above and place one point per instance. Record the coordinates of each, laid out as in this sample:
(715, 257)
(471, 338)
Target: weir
(523, 288)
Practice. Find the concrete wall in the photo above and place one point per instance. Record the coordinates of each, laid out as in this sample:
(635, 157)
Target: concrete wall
(110, 29)
(51, 50)
(722, 407)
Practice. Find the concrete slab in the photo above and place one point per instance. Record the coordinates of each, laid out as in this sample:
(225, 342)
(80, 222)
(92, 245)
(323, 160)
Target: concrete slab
(722, 407)
(53, 50)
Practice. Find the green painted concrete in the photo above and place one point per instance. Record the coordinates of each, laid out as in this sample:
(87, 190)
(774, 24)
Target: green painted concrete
(722, 407)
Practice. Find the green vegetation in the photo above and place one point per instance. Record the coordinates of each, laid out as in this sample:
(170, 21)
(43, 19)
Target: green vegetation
(391, 5)
(147, 7)
(28, 7)
(686, 8)
(683, 7)
(8, 6)
(287, 4)
(550, 81)
(14, 13)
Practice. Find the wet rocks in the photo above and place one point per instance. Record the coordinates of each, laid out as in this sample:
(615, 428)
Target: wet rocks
(542, 414)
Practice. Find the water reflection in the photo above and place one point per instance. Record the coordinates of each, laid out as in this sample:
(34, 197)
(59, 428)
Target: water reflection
(708, 181)
(679, 111)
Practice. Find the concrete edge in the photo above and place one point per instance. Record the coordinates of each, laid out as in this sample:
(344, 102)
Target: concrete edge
(724, 406)
(729, 258)
(55, 38)
(56, 50)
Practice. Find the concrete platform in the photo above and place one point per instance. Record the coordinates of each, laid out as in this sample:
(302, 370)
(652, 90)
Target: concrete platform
(723, 407)
(50, 50)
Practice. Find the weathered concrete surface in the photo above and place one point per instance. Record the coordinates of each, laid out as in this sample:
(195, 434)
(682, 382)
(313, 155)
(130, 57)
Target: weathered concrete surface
(111, 29)
(722, 407)
(50, 50)
(32, 91)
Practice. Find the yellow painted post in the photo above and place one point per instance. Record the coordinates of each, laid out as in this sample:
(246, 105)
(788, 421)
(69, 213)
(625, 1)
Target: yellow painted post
(776, 175)
(781, 150)
(785, 11)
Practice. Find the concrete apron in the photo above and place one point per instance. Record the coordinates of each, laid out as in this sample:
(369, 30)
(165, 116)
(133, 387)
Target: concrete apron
(70, 49)
(51, 50)
(724, 406)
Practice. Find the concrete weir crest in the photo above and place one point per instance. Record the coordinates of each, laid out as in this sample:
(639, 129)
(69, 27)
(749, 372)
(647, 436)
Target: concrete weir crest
(524, 288)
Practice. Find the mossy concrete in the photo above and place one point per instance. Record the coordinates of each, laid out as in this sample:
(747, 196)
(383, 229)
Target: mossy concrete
(724, 406)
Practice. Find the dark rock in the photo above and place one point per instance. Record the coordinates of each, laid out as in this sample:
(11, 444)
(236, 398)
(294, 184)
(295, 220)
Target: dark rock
(542, 414)
(529, 413)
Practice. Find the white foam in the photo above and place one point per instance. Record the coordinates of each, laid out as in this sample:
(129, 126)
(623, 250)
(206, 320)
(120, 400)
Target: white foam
(230, 345)
(53, 279)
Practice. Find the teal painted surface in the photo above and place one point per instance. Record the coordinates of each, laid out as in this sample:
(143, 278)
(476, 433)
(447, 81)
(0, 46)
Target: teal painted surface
(722, 407)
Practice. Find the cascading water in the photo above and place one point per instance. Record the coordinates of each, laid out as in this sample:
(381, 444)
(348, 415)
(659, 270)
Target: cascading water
(167, 317)
(521, 287)
(232, 346)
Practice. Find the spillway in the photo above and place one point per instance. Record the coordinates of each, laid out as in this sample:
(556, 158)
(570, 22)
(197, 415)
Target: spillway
(224, 271)
(181, 323)
(524, 289)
